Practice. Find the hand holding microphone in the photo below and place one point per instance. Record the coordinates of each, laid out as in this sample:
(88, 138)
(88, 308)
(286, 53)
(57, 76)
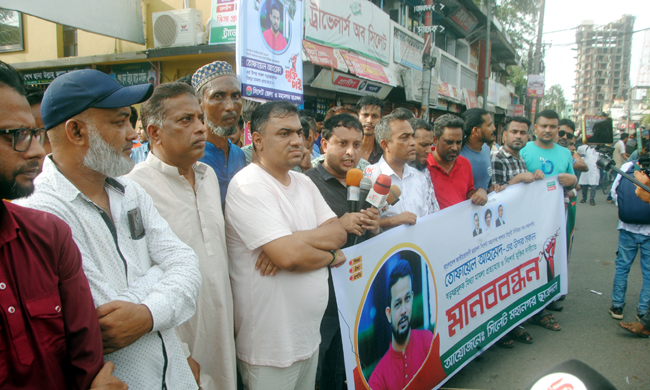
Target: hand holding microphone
(352, 180)
(379, 192)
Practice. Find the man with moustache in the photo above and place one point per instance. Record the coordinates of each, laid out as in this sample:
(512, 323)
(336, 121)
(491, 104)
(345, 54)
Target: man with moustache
(370, 109)
(185, 191)
(409, 347)
(423, 142)
(478, 130)
(342, 135)
(219, 93)
(143, 279)
(275, 213)
(508, 166)
(395, 135)
(451, 173)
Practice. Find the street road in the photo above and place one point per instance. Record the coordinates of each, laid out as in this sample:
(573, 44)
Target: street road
(588, 332)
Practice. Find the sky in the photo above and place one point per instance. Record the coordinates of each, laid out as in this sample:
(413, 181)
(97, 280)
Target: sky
(565, 14)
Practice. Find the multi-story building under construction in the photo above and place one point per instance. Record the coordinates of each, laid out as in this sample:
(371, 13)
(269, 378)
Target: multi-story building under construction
(603, 65)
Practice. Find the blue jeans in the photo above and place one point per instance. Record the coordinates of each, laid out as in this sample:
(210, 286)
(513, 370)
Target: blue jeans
(628, 246)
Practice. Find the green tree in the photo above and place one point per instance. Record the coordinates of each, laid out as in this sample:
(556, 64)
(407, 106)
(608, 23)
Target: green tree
(554, 99)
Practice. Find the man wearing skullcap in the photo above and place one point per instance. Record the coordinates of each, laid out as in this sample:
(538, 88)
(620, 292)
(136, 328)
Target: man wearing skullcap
(219, 94)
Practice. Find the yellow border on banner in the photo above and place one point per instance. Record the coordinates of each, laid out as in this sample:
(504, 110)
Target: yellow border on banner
(390, 252)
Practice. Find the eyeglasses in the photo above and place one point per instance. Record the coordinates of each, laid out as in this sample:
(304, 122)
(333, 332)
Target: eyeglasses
(22, 137)
(562, 133)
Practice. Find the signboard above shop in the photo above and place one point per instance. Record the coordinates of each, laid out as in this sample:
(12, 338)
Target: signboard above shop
(407, 47)
(139, 73)
(223, 22)
(46, 76)
(357, 26)
(345, 83)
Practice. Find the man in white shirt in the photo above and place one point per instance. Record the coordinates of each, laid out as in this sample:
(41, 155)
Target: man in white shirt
(186, 193)
(143, 279)
(395, 136)
(275, 213)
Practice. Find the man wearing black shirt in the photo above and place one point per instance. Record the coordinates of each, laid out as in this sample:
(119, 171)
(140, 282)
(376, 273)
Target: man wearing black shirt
(341, 143)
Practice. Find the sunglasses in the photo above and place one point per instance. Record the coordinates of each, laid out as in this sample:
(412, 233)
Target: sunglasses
(562, 133)
(22, 137)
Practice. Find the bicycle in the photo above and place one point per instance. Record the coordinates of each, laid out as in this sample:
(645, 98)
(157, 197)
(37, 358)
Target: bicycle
(606, 181)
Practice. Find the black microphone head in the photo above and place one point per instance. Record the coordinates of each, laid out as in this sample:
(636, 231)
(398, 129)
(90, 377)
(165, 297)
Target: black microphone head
(572, 374)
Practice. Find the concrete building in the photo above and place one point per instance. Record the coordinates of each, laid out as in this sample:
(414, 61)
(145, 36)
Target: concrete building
(603, 65)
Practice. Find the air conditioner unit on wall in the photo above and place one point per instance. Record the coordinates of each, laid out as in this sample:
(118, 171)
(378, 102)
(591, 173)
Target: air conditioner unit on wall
(183, 27)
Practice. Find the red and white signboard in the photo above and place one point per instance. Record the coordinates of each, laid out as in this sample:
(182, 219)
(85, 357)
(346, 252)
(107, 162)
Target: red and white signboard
(366, 68)
(325, 56)
(519, 110)
(470, 99)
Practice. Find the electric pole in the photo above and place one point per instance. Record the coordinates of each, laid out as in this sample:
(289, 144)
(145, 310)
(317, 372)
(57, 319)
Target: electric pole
(427, 64)
(486, 76)
(538, 46)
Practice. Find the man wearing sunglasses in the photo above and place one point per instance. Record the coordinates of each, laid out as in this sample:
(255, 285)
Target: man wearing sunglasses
(49, 333)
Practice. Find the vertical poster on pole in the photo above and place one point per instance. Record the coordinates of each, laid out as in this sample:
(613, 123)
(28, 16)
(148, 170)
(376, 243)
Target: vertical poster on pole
(223, 23)
(269, 49)
(535, 85)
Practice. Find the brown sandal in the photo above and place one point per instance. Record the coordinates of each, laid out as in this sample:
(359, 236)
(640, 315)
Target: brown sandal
(546, 321)
(635, 328)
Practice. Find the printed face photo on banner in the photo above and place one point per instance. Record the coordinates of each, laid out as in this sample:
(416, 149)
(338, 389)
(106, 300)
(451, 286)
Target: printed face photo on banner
(275, 32)
(398, 315)
(487, 220)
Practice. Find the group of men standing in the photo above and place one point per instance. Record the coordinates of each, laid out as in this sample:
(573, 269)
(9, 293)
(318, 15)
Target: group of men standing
(192, 266)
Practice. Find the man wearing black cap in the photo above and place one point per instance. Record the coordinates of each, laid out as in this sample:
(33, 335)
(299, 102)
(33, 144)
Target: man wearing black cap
(143, 279)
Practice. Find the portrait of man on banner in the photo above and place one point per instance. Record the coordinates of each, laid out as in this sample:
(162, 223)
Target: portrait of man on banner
(397, 322)
(273, 27)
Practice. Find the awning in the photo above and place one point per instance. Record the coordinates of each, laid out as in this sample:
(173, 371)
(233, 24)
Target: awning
(345, 83)
(346, 61)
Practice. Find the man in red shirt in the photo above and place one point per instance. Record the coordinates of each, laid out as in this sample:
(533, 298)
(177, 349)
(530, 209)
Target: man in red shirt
(273, 36)
(49, 332)
(451, 173)
(409, 348)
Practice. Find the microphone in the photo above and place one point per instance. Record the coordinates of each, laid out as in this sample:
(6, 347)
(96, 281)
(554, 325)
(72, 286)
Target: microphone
(393, 195)
(365, 185)
(379, 191)
(352, 180)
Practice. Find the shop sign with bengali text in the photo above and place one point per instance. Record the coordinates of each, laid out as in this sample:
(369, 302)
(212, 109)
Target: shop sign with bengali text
(464, 19)
(470, 99)
(269, 49)
(223, 22)
(365, 68)
(135, 74)
(342, 82)
(519, 110)
(325, 56)
(488, 270)
(357, 25)
(46, 76)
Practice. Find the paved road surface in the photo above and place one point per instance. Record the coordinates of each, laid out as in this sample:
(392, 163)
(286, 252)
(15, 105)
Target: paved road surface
(588, 332)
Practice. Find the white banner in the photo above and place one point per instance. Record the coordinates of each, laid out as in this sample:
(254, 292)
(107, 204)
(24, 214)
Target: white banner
(269, 49)
(223, 22)
(358, 26)
(445, 289)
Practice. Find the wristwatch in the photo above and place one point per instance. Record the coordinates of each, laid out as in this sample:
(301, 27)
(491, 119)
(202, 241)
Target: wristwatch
(333, 252)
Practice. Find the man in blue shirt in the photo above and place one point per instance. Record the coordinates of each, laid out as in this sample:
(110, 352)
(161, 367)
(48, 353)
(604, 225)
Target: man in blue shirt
(219, 93)
(552, 159)
(477, 131)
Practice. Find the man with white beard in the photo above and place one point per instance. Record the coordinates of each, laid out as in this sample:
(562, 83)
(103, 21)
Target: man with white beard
(144, 280)
(219, 93)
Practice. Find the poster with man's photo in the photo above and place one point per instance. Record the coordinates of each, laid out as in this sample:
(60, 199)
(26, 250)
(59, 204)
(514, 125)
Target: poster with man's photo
(269, 49)
(417, 303)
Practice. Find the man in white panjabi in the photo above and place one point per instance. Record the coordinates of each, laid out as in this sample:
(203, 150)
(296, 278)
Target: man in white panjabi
(186, 193)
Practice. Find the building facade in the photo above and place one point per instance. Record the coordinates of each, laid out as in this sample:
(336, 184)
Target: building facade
(603, 66)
